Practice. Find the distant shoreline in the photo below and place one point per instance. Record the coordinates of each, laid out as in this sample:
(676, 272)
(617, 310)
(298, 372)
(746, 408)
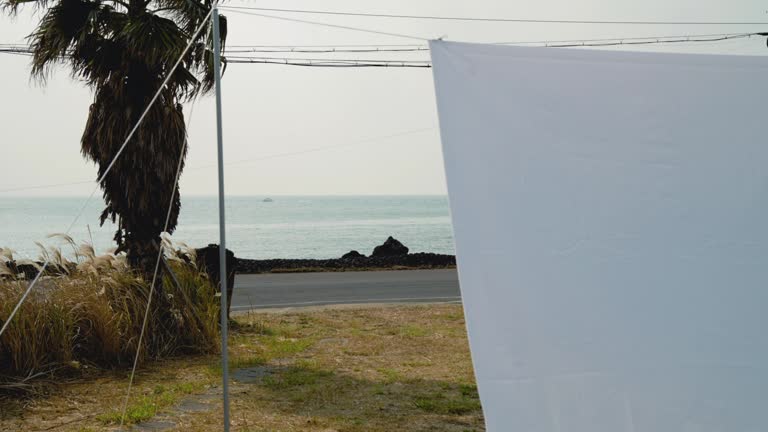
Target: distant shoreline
(409, 261)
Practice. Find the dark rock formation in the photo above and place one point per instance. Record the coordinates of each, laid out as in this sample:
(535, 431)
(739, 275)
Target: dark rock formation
(391, 247)
(352, 255)
(413, 261)
(30, 271)
(208, 261)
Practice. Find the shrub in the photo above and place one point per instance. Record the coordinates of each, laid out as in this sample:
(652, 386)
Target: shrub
(92, 313)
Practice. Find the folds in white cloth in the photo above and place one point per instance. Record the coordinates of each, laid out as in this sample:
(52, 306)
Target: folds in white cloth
(610, 212)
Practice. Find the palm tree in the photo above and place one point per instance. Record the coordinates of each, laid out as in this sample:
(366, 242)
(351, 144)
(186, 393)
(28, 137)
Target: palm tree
(123, 50)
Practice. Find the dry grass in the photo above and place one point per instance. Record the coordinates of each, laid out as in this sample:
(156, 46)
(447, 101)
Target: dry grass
(404, 368)
(91, 316)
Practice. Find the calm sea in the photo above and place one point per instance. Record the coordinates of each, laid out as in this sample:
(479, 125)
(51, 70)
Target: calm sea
(287, 227)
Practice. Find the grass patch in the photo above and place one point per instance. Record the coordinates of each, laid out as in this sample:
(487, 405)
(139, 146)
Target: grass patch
(237, 362)
(310, 374)
(390, 375)
(146, 406)
(440, 403)
(413, 331)
(295, 376)
(278, 347)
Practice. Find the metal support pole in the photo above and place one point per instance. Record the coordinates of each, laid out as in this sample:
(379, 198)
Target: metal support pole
(222, 234)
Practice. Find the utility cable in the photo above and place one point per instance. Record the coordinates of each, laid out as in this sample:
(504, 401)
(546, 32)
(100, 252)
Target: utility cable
(330, 63)
(375, 49)
(324, 24)
(490, 19)
(351, 63)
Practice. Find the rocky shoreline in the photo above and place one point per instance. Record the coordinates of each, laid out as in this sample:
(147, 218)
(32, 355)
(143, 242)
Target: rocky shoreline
(410, 261)
(391, 255)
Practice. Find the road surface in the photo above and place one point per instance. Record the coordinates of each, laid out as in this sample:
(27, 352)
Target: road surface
(311, 289)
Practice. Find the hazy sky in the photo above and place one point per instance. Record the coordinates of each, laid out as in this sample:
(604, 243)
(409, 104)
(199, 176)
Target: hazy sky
(383, 120)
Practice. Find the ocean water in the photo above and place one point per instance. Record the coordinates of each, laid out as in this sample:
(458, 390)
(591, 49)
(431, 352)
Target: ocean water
(287, 227)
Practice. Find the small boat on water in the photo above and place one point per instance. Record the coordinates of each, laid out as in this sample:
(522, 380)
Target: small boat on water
(267, 200)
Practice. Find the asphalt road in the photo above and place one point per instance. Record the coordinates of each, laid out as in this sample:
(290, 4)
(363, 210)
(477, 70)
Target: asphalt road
(311, 289)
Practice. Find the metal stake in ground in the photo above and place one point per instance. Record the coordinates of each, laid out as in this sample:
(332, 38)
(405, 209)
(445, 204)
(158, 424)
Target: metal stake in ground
(222, 235)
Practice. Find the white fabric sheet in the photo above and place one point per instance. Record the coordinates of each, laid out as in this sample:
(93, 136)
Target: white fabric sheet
(610, 211)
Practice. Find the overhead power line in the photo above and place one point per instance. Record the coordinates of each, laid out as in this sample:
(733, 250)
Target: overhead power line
(329, 50)
(331, 63)
(342, 27)
(621, 42)
(394, 63)
(408, 47)
(490, 19)
(240, 51)
(329, 46)
(615, 39)
(426, 64)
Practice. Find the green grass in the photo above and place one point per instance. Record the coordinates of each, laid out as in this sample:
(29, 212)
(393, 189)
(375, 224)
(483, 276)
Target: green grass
(277, 347)
(391, 375)
(465, 402)
(413, 331)
(274, 342)
(137, 412)
(237, 362)
(296, 376)
(147, 406)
